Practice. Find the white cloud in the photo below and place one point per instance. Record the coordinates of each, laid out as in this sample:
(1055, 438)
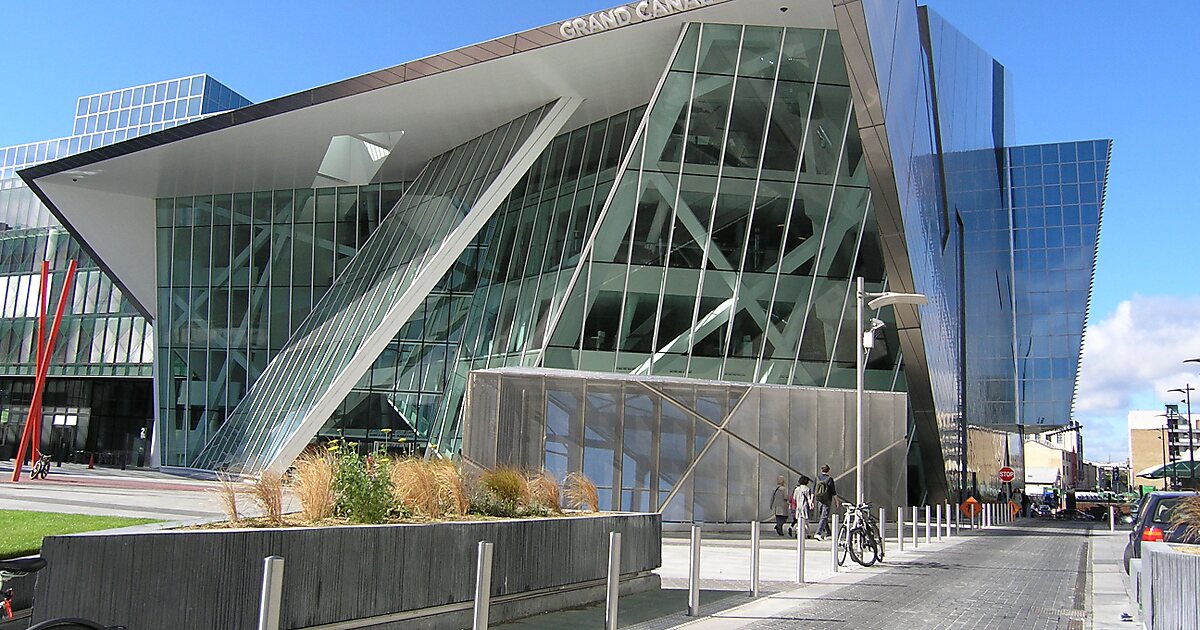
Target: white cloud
(1130, 359)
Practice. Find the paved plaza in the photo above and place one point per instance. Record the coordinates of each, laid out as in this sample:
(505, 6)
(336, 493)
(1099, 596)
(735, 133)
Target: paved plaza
(74, 488)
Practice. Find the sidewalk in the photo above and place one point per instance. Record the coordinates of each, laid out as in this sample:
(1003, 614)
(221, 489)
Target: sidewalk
(725, 581)
(1028, 575)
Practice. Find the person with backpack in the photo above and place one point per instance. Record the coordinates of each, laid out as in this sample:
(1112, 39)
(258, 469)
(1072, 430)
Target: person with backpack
(779, 504)
(802, 502)
(823, 495)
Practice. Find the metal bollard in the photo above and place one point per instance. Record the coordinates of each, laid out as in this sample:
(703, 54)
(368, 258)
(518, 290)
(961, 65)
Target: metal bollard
(916, 524)
(800, 557)
(900, 528)
(882, 532)
(694, 575)
(939, 522)
(614, 580)
(755, 544)
(928, 524)
(833, 547)
(1112, 519)
(271, 600)
(949, 519)
(483, 586)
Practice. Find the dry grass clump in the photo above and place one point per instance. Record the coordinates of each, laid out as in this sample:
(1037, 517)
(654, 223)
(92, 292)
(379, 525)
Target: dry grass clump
(506, 484)
(429, 488)
(415, 487)
(545, 491)
(313, 484)
(580, 492)
(227, 493)
(453, 498)
(1186, 515)
(267, 492)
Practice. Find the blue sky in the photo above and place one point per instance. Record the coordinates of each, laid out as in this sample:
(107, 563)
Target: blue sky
(1082, 70)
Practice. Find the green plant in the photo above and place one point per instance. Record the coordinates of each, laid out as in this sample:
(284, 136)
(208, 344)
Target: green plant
(363, 485)
(581, 492)
(313, 483)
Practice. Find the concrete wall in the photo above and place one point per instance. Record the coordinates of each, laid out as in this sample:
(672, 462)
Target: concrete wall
(211, 579)
(1168, 587)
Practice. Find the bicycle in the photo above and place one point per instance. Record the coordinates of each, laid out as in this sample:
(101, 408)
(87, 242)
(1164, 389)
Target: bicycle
(858, 536)
(41, 468)
(22, 567)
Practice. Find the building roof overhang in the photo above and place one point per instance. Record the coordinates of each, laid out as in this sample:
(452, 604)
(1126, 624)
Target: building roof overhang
(106, 197)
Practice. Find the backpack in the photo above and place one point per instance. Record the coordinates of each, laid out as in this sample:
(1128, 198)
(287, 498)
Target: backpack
(823, 492)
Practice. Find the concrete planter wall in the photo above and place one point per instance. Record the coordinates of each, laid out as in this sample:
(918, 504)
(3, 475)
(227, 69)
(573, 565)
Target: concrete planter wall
(371, 576)
(1168, 586)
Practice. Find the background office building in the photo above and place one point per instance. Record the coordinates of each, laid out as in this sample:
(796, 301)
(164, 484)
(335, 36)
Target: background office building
(99, 395)
(624, 244)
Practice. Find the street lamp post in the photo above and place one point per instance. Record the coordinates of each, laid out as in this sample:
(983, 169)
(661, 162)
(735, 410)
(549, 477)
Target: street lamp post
(1187, 392)
(865, 339)
(1191, 429)
(1162, 435)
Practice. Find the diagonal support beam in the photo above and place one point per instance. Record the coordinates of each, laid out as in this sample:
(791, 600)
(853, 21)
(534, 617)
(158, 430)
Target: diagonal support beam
(405, 305)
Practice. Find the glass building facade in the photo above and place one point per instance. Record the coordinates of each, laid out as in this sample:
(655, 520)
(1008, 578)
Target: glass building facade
(1058, 198)
(699, 215)
(99, 395)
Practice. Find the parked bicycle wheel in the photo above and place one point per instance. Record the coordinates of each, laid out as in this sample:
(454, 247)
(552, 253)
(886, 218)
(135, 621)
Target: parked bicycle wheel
(843, 544)
(864, 547)
(878, 537)
(73, 624)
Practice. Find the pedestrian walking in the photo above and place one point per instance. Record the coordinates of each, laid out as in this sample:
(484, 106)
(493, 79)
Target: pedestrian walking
(802, 498)
(1026, 503)
(823, 495)
(779, 504)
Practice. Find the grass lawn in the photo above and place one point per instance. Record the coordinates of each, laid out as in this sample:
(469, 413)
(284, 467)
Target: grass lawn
(21, 531)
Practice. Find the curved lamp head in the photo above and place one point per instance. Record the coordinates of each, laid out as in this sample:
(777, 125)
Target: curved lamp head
(879, 300)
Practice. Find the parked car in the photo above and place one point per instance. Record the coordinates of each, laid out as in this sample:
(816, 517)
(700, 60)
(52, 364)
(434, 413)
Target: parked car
(1042, 510)
(1152, 520)
(1073, 515)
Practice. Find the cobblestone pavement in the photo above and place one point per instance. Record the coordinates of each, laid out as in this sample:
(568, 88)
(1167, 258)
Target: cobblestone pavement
(1032, 575)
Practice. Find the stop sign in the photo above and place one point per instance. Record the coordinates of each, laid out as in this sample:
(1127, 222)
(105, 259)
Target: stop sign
(1007, 474)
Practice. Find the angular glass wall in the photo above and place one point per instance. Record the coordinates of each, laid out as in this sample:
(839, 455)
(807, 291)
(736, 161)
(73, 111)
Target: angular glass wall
(727, 247)
(237, 275)
(691, 449)
(1057, 199)
(101, 334)
(413, 236)
(521, 275)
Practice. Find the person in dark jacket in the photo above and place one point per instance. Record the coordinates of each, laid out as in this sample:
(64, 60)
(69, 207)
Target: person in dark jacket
(779, 504)
(823, 495)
